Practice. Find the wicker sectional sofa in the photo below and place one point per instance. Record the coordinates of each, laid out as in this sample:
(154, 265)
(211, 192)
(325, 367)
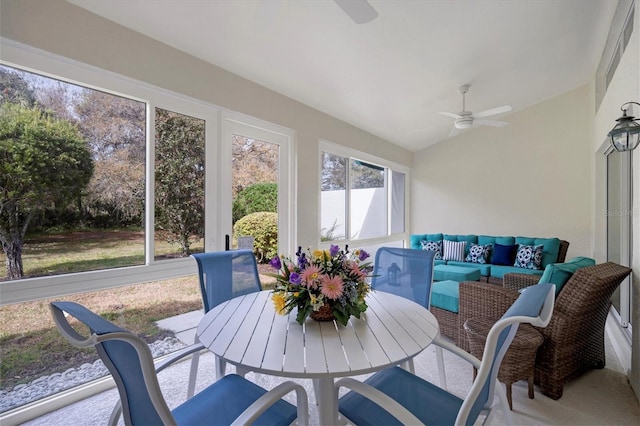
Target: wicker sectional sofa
(554, 250)
(573, 340)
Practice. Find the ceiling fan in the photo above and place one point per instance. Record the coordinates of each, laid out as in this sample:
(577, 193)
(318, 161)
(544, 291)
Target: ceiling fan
(359, 10)
(466, 119)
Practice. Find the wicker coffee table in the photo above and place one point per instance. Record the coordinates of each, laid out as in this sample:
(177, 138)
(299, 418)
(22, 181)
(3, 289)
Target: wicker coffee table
(518, 362)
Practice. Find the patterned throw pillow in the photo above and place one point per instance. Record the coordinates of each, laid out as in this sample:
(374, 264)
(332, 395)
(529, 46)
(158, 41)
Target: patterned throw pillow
(529, 257)
(433, 246)
(453, 250)
(479, 253)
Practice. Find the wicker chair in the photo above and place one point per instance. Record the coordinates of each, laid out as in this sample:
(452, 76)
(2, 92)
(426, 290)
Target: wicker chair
(573, 340)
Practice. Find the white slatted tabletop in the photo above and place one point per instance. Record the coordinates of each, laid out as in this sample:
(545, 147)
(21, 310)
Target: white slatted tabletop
(247, 332)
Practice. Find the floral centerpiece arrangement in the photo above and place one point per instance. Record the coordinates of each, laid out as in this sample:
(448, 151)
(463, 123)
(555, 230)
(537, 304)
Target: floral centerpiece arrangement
(323, 284)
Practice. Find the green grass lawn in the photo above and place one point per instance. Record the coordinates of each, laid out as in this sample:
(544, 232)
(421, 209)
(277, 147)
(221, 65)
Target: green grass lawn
(87, 250)
(30, 345)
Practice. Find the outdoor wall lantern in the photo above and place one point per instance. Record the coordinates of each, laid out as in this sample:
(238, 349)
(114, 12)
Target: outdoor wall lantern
(626, 134)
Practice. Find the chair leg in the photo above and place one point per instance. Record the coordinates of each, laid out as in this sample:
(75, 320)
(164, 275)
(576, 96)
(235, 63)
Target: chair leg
(505, 404)
(193, 372)
(530, 380)
(508, 388)
(409, 366)
(221, 368)
(441, 371)
(315, 389)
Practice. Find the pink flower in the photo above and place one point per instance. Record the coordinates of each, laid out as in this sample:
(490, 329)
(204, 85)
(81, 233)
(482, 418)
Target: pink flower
(332, 287)
(355, 270)
(311, 276)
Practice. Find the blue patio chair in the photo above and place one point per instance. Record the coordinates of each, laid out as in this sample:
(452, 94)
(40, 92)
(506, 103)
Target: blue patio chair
(408, 273)
(223, 276)
(396, 396)
(128, 358)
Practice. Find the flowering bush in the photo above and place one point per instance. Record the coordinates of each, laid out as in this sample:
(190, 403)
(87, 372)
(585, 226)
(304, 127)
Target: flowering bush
(336, 278)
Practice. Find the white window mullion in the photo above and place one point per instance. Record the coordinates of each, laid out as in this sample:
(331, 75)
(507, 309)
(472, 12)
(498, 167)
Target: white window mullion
(149, 220)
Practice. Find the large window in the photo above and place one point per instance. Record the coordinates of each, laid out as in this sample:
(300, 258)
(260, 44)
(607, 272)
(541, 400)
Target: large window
(361, 198)
(73, 177)
(144, 178)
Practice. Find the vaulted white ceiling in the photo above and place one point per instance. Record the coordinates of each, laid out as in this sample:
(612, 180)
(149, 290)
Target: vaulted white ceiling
(392, 75)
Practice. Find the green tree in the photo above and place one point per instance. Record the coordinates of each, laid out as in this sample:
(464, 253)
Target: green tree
(261, 197)
(115, 130)
(180, 177)
(44, 162)
(15, 89)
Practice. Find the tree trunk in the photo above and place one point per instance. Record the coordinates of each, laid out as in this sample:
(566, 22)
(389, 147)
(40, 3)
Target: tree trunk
(13, 250)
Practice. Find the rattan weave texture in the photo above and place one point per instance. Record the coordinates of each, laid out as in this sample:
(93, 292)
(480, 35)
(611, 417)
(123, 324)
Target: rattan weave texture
(574, 339)
(519, 361)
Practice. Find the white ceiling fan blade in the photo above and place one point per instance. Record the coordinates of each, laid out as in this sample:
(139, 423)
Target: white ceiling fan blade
(450, 114)
(492, 123)
(493, 111)
(454, 131)
(359, 10)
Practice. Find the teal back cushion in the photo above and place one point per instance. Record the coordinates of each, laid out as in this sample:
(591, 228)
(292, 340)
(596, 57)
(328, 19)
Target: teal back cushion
(469, 239)
(550, 247)
(559, 273)
(490, 239)
(415, 239)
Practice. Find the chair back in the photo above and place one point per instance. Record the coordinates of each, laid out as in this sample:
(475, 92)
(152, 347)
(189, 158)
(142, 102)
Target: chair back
(128, 359)
(534, 306)
(225, 275)
(405, 272)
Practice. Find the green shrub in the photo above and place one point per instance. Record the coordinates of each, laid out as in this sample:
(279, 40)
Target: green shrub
(263, 227)
(261, 197)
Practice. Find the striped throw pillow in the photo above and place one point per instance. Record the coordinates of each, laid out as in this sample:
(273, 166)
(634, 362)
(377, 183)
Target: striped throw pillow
(453, 250)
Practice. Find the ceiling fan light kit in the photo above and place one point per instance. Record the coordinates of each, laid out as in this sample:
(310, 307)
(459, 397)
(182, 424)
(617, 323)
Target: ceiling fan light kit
(466, 119)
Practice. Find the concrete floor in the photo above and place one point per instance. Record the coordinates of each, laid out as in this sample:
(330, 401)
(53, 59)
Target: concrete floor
(599, 397)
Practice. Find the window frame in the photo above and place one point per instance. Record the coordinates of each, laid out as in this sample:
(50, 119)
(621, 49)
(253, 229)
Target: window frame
(28, 59)
(398, 238)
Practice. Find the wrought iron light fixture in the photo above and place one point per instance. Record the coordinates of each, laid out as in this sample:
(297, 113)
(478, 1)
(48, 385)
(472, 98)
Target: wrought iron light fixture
(626, 134)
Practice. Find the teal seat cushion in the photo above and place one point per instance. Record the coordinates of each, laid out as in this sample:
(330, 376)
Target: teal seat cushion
(445, 295)
(498, 271)
(455, 273)
(559, 273)
(485, 268)
(439, 262)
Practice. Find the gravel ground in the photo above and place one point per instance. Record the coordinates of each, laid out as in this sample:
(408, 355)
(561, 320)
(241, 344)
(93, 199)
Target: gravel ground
(57, 382)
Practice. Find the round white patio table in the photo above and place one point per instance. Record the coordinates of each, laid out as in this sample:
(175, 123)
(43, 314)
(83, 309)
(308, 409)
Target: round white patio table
(248, 333)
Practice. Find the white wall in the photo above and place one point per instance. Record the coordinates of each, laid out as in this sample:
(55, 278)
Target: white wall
(530, 178)
(368, 212)
(624, 87)
(64, 29)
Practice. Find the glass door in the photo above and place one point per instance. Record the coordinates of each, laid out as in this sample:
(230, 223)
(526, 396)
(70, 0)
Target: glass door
(619, 222)
(258, 187)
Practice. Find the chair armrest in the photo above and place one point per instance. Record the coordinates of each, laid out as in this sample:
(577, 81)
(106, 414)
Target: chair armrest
(383, 400)
(484, 300)
(438, 341)
(515, 281)
(178, 355)
(260, 405)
